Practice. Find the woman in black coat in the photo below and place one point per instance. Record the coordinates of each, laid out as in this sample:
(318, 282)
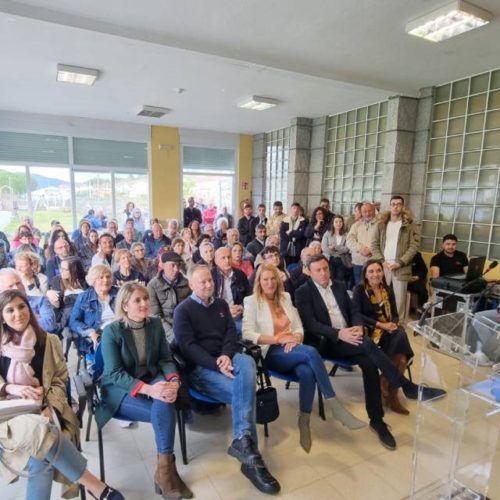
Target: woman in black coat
(377, 305)
(317, 227)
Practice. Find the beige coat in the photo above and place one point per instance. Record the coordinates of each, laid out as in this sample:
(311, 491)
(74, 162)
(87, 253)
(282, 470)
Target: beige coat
(258, 320)
(408, 243)
(32, 436)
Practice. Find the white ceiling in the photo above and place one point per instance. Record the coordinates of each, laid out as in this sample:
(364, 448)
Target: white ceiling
(318, 57)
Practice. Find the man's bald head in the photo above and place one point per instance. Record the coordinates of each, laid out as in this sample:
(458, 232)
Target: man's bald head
(10, 280)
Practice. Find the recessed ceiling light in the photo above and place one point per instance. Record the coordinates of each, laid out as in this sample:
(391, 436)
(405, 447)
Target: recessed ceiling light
(448, 21)
(258, 103)
(153, 111)
(76, 74)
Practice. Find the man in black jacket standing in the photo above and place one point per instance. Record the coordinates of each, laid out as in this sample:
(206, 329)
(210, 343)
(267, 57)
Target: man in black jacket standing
(191, 213)
(204, 331)
(246, 225)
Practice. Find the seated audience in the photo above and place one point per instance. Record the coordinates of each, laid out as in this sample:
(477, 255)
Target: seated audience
(195, 227)
(128, 239)
(93, 309)
(335, 249)
(172, 231)
(28, 267)
(58, 233)
(258, 243)
(239, 262)
(32, 366)
(418, 281)
(207, 254)
(233, 237)
(220, 239)
(230, 284)
(271, 321)
(125, 272)
(61, 249)
(24, 235)
(189, 241)
(318, 226)
(375, 301)
(41, 307)
(112, 229)
(449, 260)
(155, 241)
(224, 213)
(65, 288)
(300, 274)
(205, 334)
(167, 289)
(140, 381)
(139, 222)
(105, 254)
(147, 267)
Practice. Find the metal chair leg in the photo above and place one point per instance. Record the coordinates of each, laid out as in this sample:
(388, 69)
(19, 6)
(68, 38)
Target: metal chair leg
(321, 405)
(89, 421)
(266, 430)
(101, 455)
(334, 369)
(181, 422)
(287, 385)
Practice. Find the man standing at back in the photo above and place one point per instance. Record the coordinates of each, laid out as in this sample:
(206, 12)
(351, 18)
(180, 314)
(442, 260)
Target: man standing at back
(360, 238)
(246, 225)
(205, 333)
(396, 242)
(274, 222)
(191, 213)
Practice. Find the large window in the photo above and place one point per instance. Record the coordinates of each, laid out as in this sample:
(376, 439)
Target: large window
(355, 157)
(106, 175)
(463, 172)
(276, 174)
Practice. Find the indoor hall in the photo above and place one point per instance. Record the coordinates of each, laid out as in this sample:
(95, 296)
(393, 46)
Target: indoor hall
(360, 110)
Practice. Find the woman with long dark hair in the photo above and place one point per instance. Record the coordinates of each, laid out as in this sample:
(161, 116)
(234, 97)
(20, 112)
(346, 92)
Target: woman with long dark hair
(335, 249)
(317, 227)
(32, 366)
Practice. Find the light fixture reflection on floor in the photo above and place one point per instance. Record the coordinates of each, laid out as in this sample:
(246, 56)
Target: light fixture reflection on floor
(76, 74)
(448, 21)
(258, 103)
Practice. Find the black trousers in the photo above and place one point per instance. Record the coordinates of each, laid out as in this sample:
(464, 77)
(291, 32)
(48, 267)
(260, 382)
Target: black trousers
(370, 359)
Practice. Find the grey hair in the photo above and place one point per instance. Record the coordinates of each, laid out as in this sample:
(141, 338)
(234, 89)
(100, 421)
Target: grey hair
(136, 245)
(195, 268)
(219, 222)
(96, 271)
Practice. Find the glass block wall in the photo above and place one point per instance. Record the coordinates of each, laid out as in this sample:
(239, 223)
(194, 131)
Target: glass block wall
(355, 156)
(463, 173)
(276, 173)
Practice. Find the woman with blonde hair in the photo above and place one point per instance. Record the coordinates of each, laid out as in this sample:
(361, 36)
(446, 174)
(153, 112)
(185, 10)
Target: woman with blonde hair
(272, 321)
(125, 271)
(140, 381)
(28, 266)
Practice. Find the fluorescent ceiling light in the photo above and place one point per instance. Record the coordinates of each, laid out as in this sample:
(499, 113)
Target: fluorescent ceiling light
(258, 103)
(75, 74)
(448, 21)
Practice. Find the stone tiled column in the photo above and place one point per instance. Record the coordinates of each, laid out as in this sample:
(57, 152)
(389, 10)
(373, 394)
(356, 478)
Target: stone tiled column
(400, 135)
(420, 152)
(258, 169)
(317, 163)
(299, 159)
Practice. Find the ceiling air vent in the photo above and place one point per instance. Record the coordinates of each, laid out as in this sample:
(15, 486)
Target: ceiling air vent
(153, 111)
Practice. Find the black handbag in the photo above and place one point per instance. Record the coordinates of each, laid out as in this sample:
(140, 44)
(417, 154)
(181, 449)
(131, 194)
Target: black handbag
(266, 397)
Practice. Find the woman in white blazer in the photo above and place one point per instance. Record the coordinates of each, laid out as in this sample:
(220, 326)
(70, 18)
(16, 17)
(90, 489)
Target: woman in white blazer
(271, 320)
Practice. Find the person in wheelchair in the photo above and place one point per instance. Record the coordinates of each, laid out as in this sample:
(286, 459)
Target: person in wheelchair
(140, 382)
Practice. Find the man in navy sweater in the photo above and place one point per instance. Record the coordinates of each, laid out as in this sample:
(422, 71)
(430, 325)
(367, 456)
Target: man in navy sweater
(206, 336)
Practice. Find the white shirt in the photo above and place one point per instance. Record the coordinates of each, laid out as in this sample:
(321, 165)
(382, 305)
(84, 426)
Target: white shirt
(107, 315)
(336, 316)
(227, 294)
(391, 240)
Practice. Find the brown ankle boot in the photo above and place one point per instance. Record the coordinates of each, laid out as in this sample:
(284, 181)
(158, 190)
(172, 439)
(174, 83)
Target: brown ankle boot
(394, 404)
(384, 389)
(185, 491)
(166, 483)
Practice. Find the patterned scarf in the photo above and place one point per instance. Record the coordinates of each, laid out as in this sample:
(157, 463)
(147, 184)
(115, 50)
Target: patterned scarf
(20, 371)
(383, 311)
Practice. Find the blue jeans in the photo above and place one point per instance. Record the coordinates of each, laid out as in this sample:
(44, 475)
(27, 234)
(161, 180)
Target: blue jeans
(158, 413)
(306, 364)
(70, 463)
(357, 271)
(239, 392)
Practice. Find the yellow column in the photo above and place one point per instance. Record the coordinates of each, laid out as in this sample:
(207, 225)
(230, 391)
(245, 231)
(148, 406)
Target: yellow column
(244, 177)
(165, 188)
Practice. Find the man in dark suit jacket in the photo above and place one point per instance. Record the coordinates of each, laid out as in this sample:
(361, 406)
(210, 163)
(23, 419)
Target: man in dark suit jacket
(246, 225)
(333, 326)
(191, 213)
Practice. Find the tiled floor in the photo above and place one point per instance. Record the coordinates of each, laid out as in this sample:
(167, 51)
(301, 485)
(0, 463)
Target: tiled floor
(342, 464)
